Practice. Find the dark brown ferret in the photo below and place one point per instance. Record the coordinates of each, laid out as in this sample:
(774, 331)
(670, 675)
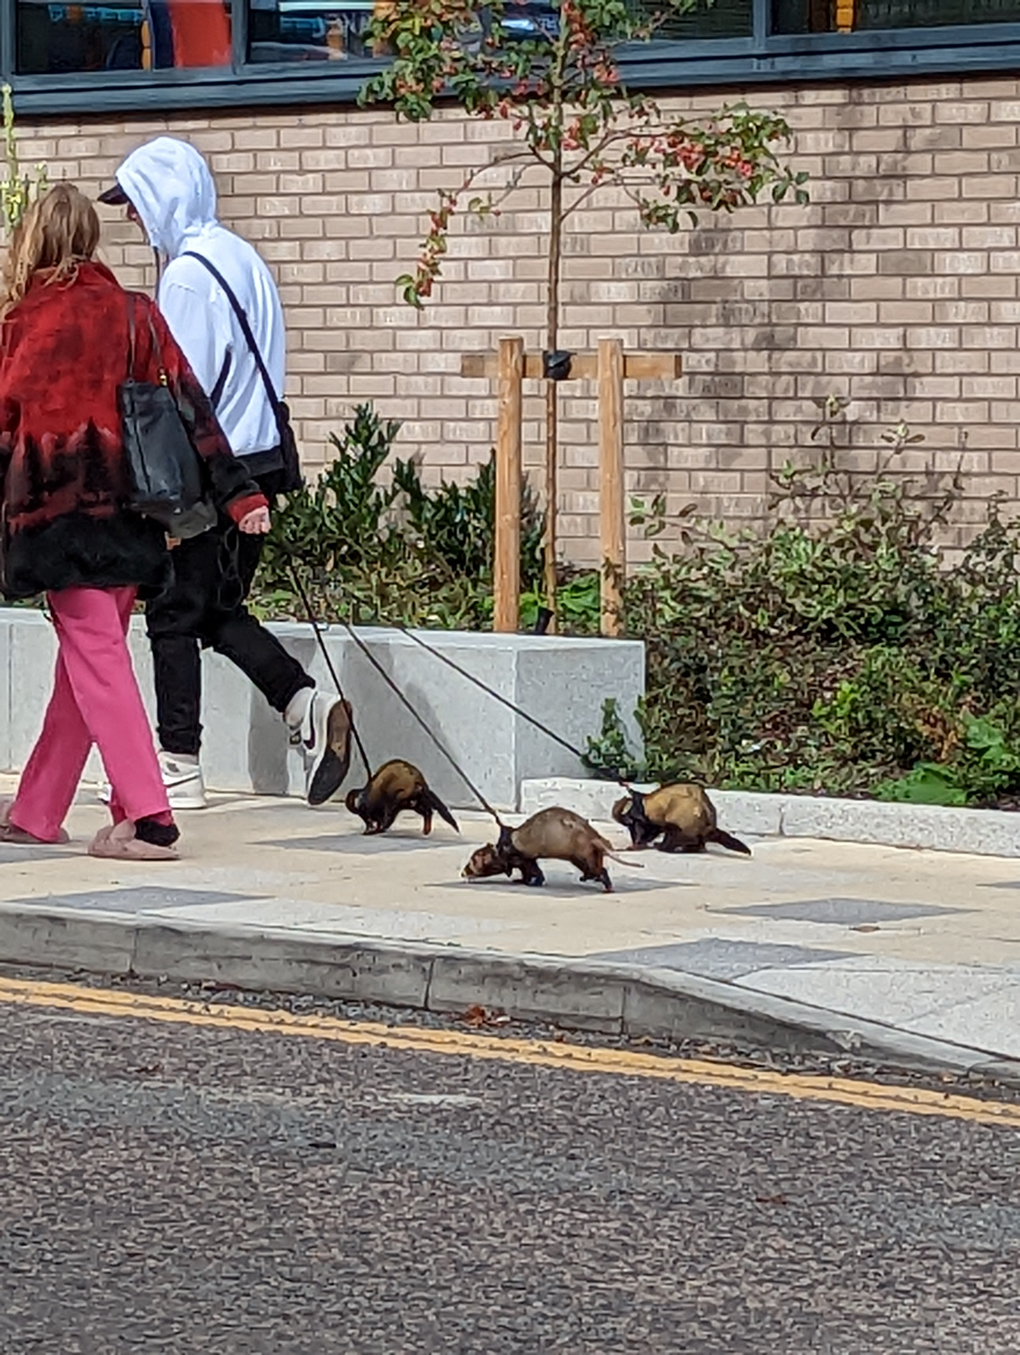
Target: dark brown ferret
(553, 834)
(397, 786)
(682, 815)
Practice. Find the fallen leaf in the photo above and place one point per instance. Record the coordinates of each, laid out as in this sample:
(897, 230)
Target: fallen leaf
(478, 1016)
(866, 927)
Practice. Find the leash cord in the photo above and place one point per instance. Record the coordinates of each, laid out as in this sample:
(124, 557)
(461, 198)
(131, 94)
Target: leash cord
(556, 738)
(329, 663)
(435, 739)
(403, 630)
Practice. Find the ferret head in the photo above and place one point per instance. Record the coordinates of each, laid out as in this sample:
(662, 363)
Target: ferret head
(622, 810)
(355, 802)
(630, 812)
(485, 861)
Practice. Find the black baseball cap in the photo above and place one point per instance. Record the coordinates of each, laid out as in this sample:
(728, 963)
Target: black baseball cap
(114, 197)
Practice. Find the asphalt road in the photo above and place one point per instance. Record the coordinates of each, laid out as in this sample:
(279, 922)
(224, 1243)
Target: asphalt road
(171, 1188)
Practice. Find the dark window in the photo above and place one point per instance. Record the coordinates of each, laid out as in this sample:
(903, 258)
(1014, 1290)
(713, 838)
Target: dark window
(60, 38)
(292, 31)
(723, 19)
(855, 16)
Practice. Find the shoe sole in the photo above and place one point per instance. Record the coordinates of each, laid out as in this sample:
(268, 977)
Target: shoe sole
(108, 847)
(175, 800)
(336, 760)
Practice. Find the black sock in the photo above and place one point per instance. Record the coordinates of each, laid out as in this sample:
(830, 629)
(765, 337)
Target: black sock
(156, 834)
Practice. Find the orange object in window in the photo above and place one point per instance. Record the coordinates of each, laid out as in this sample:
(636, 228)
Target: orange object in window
(845, 16)
(201, 32)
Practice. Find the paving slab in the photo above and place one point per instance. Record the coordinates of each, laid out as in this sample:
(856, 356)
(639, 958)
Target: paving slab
(831, 938)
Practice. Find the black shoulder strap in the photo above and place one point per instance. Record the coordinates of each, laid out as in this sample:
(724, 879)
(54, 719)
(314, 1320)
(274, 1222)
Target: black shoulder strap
(242, 320)
(131, 334)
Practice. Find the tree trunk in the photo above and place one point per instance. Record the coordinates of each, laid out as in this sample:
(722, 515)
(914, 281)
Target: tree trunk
(551, 391)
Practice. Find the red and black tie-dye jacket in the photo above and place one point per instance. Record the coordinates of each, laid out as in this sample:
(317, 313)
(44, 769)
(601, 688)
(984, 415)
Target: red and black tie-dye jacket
(63, 471)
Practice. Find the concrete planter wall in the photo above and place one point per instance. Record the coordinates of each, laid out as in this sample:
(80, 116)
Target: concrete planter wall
(560, 681)
(979, 832)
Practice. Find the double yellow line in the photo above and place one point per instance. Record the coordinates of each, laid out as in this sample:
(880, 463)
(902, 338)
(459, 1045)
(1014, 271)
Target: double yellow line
(536, 1053)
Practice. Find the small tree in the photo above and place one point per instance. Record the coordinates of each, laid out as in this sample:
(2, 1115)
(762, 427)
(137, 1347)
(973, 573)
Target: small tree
(577, 124)
(17, 189)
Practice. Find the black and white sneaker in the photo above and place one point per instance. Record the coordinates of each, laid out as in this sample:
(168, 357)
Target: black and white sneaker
(325, 742)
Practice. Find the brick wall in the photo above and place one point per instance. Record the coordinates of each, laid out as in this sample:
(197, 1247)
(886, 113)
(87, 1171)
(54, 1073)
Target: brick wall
(897, 288)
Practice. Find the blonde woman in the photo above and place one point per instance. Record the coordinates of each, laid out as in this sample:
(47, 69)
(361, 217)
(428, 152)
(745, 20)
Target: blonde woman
(67, 529)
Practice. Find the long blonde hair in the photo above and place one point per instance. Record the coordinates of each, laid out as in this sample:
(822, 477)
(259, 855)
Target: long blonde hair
(58, 232)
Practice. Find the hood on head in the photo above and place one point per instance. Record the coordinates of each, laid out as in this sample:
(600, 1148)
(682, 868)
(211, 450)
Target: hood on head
(171, 189)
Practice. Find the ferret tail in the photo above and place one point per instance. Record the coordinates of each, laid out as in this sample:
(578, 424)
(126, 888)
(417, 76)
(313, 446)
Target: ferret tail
(634, 865)
(727, 840)
(442, 810)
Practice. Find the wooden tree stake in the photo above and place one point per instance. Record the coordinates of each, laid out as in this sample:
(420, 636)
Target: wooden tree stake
(507, 567)
(611, 480)
(610, 366)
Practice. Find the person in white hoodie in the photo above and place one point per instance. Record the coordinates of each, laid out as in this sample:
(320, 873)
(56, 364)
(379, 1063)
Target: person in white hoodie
(221, 304)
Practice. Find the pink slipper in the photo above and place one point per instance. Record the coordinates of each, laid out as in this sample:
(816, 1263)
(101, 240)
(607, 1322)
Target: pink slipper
(10, 832)
(118, 842)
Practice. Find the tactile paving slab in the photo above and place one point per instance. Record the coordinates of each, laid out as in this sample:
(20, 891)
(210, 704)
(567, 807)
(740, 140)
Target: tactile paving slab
(717, 958)
(839, 912)
(141, 899)
(12, 855)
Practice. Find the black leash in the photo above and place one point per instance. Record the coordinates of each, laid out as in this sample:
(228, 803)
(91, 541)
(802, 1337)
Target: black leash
(556, 738)
(403, 630)
(435, 739)
(302, 594)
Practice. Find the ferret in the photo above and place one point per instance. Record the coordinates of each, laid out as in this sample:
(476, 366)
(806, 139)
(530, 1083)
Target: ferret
(397, 786)
(682, 815)
(554, 834)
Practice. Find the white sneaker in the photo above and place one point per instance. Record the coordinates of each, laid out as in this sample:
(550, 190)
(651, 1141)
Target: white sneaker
(182, 777)
(324, 737)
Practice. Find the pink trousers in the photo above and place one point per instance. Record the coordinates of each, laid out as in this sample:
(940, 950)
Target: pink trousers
(95, 701)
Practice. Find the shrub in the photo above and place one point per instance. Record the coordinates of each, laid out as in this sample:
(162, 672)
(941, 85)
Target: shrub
(841, 651)
(390, 553)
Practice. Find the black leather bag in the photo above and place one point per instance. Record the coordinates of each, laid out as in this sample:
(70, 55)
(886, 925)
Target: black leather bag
(291, 477)
(167, 477)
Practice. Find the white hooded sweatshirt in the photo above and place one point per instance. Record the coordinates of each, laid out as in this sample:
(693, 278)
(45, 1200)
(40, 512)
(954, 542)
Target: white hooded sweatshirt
(172, 190)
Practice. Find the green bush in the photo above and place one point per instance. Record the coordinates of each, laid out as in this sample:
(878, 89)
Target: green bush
(839, 652)
(457, 523)
(395, 552)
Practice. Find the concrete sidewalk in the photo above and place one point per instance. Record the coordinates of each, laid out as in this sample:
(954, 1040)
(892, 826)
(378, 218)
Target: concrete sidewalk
(920, 944)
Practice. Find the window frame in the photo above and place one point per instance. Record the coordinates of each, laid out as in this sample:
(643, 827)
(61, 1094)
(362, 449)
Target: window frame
(763, 57)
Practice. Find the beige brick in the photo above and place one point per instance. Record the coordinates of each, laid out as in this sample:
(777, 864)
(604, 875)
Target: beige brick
(965, 212)
(996, 285)
(906, 312)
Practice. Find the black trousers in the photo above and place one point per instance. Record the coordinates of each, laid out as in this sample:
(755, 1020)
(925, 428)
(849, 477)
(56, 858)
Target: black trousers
(205, 607)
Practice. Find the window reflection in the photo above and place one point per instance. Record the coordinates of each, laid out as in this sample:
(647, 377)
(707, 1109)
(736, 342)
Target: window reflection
(723, 19)
(302, 30)
(60, 38)
(309, 30)
(852, 16)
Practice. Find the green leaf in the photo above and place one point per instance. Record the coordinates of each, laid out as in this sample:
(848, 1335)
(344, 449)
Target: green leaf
(925, 785)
